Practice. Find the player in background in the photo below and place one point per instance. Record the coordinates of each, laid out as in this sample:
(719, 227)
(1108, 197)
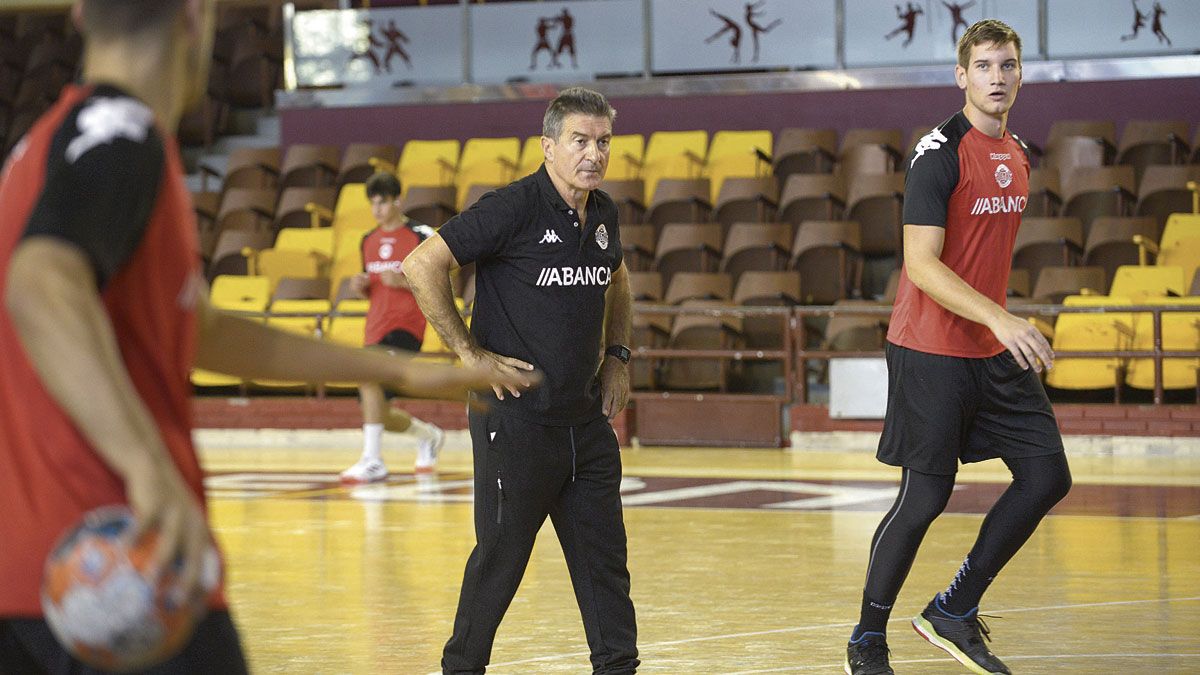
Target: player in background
(104, 314)
(963, 381)
(394, 322)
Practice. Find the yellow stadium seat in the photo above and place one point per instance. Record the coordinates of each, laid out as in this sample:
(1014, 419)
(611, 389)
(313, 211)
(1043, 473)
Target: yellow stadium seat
(318, 240)
(309, 323)
(277, 263)
(428, 163)
(1089, 332)
(239, 294)
(625, 155)
(531, 156)
(353, 209)
(1138, 283)
(673, 154)
(1180, 226)
(347, 330)
(1180, 331)
(738, 154)
(1181, 253)
(490, 161)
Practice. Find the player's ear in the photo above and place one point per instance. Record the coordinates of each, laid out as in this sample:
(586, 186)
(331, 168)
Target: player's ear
(960, 77)
(77, 15)
(547, 148)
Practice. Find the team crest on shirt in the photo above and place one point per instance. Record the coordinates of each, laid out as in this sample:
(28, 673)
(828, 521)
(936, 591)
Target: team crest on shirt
(1004, 176)
(602, 237)
(385, 250)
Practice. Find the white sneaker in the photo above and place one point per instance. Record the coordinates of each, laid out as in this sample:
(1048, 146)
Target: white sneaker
(427, 451)
(365, 471)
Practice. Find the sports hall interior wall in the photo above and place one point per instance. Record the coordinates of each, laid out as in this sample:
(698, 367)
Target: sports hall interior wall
(1041, 104)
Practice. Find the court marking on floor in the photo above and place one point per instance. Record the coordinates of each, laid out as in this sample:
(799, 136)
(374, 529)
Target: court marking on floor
(851, 624)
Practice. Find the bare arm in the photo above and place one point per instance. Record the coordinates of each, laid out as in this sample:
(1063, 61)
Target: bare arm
(614, 375)
(428, 270)
(56, 309)
(922, 251)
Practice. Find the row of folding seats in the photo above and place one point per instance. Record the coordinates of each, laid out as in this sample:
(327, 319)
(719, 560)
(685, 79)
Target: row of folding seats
(1143, 143)
(1088, 192)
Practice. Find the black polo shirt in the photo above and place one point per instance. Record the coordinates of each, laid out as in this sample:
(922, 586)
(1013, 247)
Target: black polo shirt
(540, 279)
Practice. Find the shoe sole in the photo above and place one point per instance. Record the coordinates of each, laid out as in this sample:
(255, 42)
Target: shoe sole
(927, 631)
(437, 448)
(361, 481)
(846, 666)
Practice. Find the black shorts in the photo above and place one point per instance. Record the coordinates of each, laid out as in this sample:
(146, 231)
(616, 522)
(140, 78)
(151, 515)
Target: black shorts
(400, 340)
(942, 409)
(27, 646)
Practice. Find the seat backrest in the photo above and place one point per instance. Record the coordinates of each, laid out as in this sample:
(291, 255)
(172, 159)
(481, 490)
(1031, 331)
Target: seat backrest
(319, 239)
(1055, 283)
(744, 236)
(1060, 129)
(487, 161)
(428, 162)
(252, 167)
(866, 158)
(761, 288)
(689, 236)
(673, 154)
(1121, 230)
(246, 209)
(625, 155)
(865, 186)
(646, 286)
(1142, 132)
(356, 160)
(307, 164)
(702, 285)
(1075, 151)
(1137, 283)
(240, 293)
(531, 156)
(1048, 230)
(293, 201)
(796, 139)
(740, 154)
(892, 138)
(822, 233)
(1097, 179)
(294, 288)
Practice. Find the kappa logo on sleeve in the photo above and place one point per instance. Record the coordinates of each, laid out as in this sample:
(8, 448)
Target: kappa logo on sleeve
(106, 119)
(930, 141)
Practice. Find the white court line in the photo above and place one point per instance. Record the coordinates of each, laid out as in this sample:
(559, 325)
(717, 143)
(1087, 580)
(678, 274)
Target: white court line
(947, 659)
(798, 629)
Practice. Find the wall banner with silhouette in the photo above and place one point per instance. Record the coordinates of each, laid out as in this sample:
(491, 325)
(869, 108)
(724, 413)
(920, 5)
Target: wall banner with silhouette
(887, 32)
(1122, 28)
(419, 45)
(556, 41)
(707, 35)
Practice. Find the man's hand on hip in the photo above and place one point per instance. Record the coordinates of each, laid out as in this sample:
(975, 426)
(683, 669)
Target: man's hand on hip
(506, 370)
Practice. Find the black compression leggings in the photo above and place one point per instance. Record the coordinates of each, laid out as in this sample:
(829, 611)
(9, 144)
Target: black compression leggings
(1038, 484)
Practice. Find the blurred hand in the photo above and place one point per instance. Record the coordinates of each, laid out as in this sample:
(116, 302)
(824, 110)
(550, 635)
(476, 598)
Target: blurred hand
(358, 284)
(162, 501)
(391, 278)
(614, 386)
(1022, 338)
(440, 381)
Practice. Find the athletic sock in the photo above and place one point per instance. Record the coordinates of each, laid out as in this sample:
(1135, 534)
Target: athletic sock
(965, 591)
(372, 441)
(859, 634)
(872, 619)
(422, 430)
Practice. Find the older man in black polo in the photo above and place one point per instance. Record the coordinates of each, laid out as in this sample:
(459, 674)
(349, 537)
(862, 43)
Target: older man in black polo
(549, 271)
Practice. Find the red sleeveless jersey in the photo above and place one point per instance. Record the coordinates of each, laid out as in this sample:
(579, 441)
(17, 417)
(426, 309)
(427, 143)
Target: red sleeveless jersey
(95, 171)
(976, 187)
(391, 308)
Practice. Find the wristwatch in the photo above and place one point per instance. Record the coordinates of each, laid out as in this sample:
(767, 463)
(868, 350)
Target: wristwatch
(621, 352)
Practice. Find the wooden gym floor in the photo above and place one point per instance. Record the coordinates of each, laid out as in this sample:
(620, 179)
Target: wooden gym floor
(743, 561)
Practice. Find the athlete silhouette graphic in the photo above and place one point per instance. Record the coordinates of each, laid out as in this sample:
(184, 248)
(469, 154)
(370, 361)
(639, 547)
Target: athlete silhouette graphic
(956, 15)
(566, 39)
(1139, 21)
(369, 51)
(735, 35)
(395, 37)
(1157, 26)
(909, 25)
(755, 28)
(543, 29)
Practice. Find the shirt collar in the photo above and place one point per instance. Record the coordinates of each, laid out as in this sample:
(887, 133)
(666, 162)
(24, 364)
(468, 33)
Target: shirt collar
(550, 193)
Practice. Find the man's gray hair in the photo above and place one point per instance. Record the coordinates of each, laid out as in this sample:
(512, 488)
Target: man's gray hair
(575, 100)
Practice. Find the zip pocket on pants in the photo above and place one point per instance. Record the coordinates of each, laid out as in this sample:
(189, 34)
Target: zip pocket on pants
(499, 499)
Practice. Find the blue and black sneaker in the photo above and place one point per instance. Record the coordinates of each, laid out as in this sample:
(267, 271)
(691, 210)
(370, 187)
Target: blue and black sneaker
(962, 637)
(868, 655)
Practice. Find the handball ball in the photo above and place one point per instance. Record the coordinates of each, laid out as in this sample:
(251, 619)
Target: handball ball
(101, 603)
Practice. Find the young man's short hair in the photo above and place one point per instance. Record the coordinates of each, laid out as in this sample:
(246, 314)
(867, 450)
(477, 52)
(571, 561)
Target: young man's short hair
(383, 184)
(115, 18)
(575, 100)
(988, 31)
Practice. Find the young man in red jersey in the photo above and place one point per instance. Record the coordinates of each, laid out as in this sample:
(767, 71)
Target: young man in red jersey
(104, 315)
(395, 322)
(963, 380)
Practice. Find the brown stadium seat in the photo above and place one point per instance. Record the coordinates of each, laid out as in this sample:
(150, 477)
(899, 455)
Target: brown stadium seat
(206, 204)
(305, 207)
(1104, 131)
(802, 151)
(1047, 242)
(827, 253)
(766, 289)
(646, 286)
(1089, 192)
(679, 200)
(246, 209)
(299, 288)
(820, 196)
(309, 165)
(1072, 152)
(1045, 193)
(760, 247)
(688, 247)
(432, 205)
(627, 194)
(230, 253)
(637, 246)
(848, 332)
(891, 138)
(357, 165)
(1055, 283)
(746, 199)
(699, 331)
(1163, 190)
(247, 168)
(876, 202)
(1146, 143)
(698, 286)
(868, 158)
(477, 190)
(255, 66)
(1110, 242)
